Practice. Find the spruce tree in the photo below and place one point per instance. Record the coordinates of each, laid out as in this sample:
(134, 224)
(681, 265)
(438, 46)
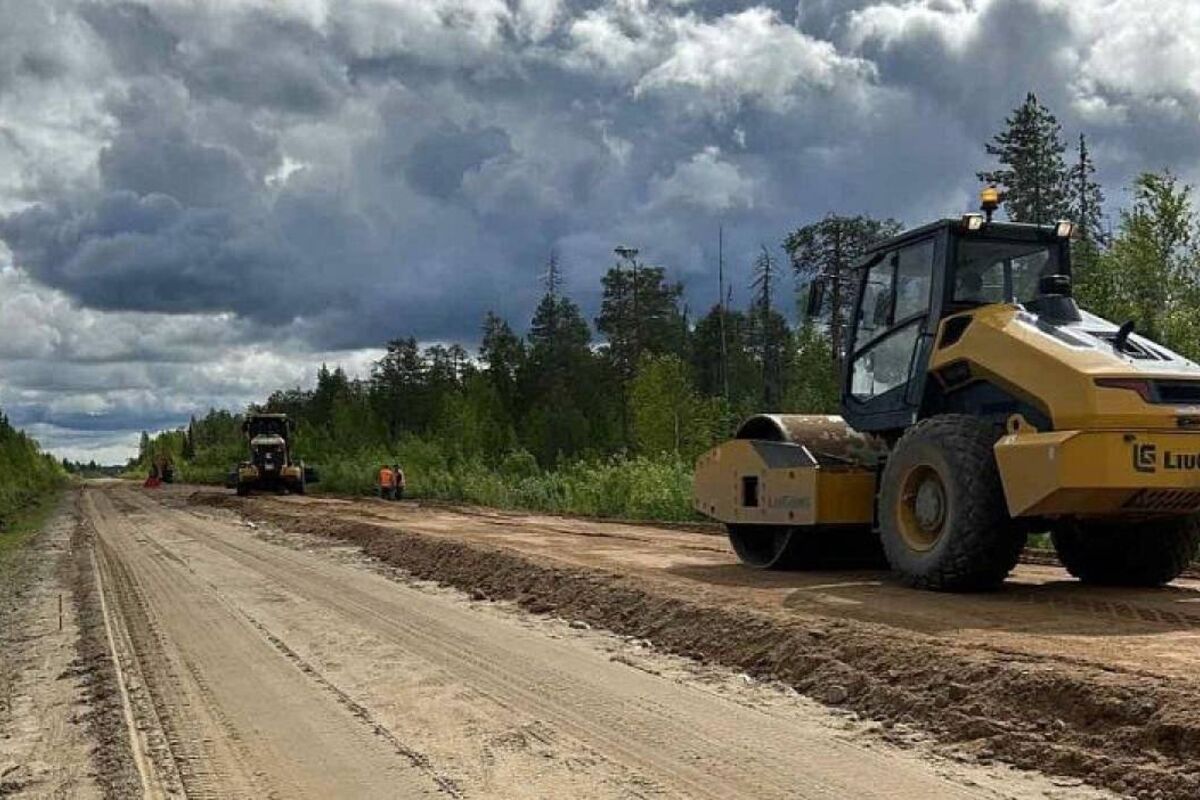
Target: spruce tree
(639, 315)
(502, 354)
(708, 353)
(1032, 175)
(1087, 198)
(558, 380)
(189, 441)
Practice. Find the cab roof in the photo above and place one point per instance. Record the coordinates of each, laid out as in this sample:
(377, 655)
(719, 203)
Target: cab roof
(1018, 231)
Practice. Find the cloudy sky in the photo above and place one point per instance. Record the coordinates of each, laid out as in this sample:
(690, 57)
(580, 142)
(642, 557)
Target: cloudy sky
(199, 201)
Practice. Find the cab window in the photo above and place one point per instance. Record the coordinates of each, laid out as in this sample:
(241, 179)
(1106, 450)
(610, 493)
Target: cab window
(896, 296)
(914, 279)
(991, 271)
(875, 314)
(897, 289)
(886, 365)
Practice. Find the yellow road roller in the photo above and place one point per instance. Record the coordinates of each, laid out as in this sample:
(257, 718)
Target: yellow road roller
(979, 404)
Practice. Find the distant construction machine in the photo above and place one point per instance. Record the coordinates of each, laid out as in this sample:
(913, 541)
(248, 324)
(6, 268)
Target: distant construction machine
(979, 404)
(162, 470)
(272, 466)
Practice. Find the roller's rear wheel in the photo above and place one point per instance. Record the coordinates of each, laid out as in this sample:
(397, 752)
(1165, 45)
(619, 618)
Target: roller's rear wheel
(1144, 553)
(942, 515)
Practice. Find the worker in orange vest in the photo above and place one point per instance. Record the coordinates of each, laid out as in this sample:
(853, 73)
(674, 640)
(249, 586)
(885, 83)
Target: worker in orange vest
(387, 483)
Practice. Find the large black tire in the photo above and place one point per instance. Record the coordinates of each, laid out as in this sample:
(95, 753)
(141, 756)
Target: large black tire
(300, 485)
(943, 519)
(243, 489)
(1144, 553)
(779, 548)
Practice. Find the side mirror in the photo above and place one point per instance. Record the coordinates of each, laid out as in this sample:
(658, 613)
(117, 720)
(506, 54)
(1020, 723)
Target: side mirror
(816, 299)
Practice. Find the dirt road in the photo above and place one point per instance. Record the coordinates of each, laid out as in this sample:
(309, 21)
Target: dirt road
(1042, 611)
(257, 660)
(1047, 674)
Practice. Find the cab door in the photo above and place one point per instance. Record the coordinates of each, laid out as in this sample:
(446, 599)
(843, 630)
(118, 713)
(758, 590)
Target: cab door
(891, 338)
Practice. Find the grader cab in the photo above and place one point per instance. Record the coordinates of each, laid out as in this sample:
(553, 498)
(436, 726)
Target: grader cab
(979, 403)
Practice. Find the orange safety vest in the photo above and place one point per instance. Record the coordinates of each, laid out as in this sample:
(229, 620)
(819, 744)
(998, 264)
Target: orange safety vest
(385, 477)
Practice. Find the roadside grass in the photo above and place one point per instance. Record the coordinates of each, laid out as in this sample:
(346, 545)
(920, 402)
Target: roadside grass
(652, 488)
(19, 529)
(638, 487)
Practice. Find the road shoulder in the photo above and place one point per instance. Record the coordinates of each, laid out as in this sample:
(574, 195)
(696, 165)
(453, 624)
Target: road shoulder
(50, 686)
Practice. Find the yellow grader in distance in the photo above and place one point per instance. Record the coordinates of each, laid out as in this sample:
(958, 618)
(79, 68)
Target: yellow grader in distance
(979, 404)
(271, 466)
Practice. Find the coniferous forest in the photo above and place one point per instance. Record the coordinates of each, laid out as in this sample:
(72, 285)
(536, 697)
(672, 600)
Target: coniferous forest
(606, 415)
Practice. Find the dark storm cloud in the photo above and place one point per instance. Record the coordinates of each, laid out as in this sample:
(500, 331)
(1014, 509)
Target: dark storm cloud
(136, 39)
(355, 171)
(150, 253)
(434, 190)
(437, 163)
(263, 62)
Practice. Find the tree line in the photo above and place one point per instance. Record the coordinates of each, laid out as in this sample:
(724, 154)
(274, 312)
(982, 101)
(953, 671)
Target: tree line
(26, 473)
(659, 383)
(644, 378)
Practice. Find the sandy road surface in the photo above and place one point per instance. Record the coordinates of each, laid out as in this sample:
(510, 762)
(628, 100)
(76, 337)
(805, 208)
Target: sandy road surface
(1041, 611)
(1050, 675)
(258, 663)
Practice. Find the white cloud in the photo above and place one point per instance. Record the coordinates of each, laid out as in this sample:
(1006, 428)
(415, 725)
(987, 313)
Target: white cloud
(751, 56)
(711, 64)
(954, 22)
(704, 181)
(537, 19)
(1131, 48)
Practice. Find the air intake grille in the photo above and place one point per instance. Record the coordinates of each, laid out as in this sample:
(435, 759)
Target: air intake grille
(1177, 500)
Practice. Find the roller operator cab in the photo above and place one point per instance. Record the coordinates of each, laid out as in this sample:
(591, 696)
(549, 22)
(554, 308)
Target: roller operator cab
(979, 404)
(271, 466)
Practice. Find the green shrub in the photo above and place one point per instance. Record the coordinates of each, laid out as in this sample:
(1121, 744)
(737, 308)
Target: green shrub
(26, 474)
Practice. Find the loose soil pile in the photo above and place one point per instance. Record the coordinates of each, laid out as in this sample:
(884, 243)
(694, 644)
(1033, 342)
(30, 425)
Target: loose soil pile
(1134, 733)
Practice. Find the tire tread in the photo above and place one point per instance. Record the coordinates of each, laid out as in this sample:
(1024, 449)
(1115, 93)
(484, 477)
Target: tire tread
(984, 544)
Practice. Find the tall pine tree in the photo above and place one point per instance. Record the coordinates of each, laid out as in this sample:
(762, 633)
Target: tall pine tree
(640, 313)
(1032, 175)
(827, 251)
